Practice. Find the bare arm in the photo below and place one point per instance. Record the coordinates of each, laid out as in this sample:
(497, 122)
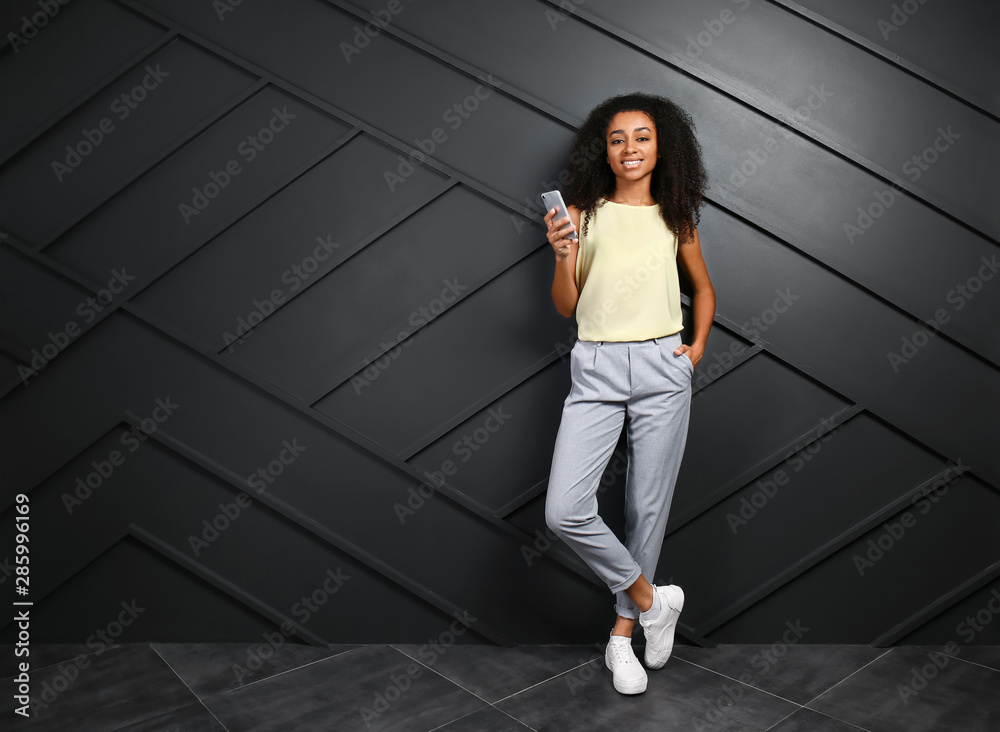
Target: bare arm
(564, 291)
(703, 301)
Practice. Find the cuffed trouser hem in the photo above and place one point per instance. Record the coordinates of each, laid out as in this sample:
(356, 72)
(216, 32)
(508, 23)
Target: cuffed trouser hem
(632, 579)
(626, 612)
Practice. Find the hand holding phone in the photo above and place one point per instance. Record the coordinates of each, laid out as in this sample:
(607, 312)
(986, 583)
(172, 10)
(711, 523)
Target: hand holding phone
(554, 199)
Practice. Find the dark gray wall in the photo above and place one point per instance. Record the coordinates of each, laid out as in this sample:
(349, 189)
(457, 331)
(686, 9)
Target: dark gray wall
(266, 165)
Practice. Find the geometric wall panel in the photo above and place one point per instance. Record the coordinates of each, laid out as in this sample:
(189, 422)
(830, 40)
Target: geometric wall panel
(108, 35)
(326, 253)
(131, 577)
(180, 203)
(772, 524)
(455, 361)
(843, 597)
(287, 244)
(391, 288)
(116, 135)
(782, 406)
(502, 452)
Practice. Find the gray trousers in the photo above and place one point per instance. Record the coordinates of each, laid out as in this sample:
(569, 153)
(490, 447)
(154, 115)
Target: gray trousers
(644, 386)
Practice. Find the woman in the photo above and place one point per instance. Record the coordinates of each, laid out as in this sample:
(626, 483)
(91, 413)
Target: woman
(638, 181)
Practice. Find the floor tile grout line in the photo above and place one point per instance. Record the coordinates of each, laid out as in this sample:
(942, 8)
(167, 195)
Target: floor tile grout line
(457, 719)
(455, 683)
(972, 663)
(492, 704)
(796, 711)
(790, 701)
(957, 657)
(823, 714)
(749, 686)
(880, 656)
(450, 681)
(196, 696)
(844, 721)
(528, 688)
(476, 711)
(519, 721)
(290, 670)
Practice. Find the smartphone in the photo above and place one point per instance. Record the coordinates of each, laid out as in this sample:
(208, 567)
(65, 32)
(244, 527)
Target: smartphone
(554, 199)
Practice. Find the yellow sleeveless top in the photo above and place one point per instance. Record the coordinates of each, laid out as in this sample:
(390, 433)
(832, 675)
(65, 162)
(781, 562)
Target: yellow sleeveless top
(626, 274)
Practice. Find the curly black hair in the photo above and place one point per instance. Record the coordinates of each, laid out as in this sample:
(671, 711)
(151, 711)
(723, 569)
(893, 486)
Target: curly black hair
(678, 181)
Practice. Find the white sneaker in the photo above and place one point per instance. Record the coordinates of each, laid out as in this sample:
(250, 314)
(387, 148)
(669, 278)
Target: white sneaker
(660, 631)
(628, 673)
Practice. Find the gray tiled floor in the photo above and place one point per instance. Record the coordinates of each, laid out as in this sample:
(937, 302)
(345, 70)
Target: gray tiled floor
(474, 688)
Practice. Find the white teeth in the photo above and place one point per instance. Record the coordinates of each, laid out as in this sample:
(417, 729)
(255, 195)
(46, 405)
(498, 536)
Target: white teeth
(631, 163)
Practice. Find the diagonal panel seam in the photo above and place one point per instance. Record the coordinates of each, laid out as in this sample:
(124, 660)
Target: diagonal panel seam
(226, 107)
(882, 52)
(315, 528)
(88, 94)
(826, 550)
(827, 425)
(942, 604)
(221, 583)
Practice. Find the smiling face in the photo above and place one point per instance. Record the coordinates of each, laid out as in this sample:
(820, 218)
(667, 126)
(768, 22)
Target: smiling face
(631, 141)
